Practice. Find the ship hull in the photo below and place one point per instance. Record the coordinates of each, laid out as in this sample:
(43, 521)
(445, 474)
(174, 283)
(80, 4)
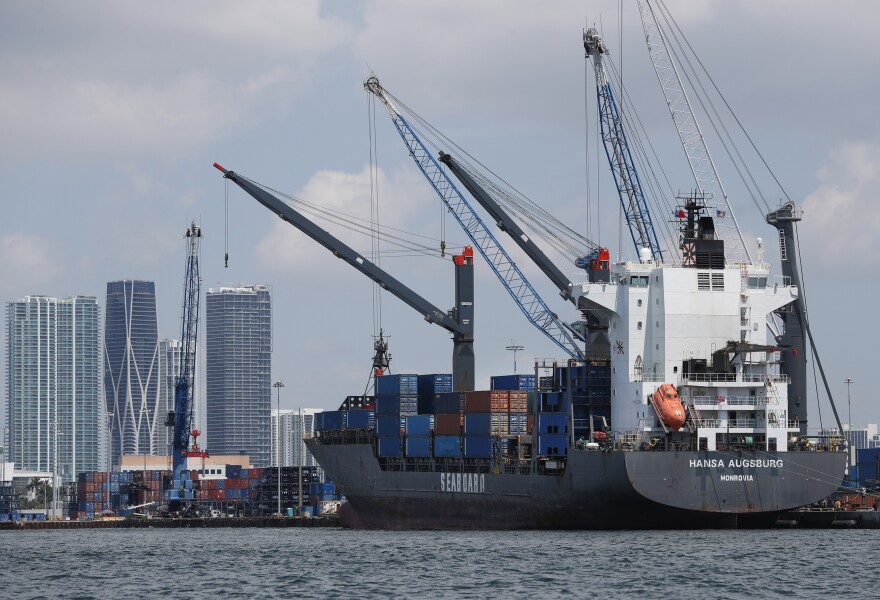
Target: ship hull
(596, 490)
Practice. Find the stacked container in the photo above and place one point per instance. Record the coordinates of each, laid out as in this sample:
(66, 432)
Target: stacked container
(418, 436)
(477, 440)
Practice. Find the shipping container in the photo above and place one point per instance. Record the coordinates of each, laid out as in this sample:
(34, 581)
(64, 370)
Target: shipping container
(360, 419)
(513, 382)
(418, 446)
(477, 446)
(418, 425)
(477, 423)
(319, 421)
(477, 402)
(425, 405)
(447, 446)
(518, 401)
(389, 426)
(434, 384)
(397, 385)
(518, 424)
(500, 424)
(388, 447)
(333, 420)
(499, 400)
(447, 424)
(450, 403)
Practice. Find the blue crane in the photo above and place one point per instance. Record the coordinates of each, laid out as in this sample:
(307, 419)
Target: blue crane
(626, 178)
(522, 291)
(181, 418)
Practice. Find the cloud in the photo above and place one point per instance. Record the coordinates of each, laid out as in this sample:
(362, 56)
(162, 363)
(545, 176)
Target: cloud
(842, 217)
(26, 262)
(346, 196)
(82, 83)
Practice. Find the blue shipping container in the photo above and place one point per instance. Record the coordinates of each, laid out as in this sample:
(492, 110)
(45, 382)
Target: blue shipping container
(552, 423)
(409, 405)
(425, 404)
(418, 446)
(513, 382)
(388, 446)
(477, 424)
(519, 423)
(477, 446)
(418, 425)
(359, 419)
(397, 385)
(319, 421)
(435, 384)
(333, 420)
(447, 446)
(552, 445)
(388, 405)
(448, 403)
(388, 426)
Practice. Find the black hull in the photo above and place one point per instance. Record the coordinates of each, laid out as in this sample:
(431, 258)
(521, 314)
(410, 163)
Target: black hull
(596, 490)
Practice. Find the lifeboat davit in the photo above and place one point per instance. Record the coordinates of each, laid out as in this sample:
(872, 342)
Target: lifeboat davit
(669, 407)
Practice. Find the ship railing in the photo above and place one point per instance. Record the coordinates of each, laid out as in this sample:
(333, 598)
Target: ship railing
(730, 400)
(646, 377)
(732, 378)
(748, 423)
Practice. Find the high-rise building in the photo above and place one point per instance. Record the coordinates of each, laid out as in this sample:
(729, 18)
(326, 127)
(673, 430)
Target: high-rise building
(238, 354)
(53, 393)
(132, 369)
(290, 430)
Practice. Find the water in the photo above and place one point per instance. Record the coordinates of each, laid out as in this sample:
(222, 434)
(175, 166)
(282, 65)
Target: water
(336, 563)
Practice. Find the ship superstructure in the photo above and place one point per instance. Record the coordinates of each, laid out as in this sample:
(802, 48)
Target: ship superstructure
(701, 325)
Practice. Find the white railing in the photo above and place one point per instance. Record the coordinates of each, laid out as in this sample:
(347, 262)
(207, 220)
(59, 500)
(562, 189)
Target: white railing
(647, 377)
(741, 423)
(731, 378)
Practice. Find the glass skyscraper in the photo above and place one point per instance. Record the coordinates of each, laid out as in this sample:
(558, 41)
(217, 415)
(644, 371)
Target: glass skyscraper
(169, 368)
(132, 369)
(290, 429)
(53, 384)
(238, 351)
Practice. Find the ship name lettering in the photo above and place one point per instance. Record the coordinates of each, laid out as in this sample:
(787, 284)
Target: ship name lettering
(466, 483)
(737, 463)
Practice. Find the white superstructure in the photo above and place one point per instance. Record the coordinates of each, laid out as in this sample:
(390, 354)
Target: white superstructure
(704, 331)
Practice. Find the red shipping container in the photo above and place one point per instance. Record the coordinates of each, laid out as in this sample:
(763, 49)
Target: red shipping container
(498, 400)
(447, 424)
(530, 424)
(479, 401)
(255, 473)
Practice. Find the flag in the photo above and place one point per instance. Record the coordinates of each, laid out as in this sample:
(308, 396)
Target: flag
(720, 213)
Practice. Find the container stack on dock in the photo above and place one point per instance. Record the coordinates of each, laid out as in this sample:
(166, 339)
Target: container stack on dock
(292, 480)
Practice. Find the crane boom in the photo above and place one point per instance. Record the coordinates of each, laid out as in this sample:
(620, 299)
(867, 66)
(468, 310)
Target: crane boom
(525, 295)
(626, 177)
(689, 132)
(461, 325)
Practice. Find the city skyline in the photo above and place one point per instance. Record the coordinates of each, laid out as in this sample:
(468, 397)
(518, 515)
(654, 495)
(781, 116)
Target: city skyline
(135, 144)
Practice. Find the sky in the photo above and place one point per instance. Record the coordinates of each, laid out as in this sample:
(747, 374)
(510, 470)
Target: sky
(112, 113)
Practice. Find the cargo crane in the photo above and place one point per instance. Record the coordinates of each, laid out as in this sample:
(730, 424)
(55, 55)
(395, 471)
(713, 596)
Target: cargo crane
(596, 263)
(689, 133)
(181, 417)
(515, 282)
(626, 177)
(459, 321)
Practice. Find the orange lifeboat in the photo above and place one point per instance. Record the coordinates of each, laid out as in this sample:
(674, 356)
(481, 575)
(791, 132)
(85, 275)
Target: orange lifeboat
(669, 406)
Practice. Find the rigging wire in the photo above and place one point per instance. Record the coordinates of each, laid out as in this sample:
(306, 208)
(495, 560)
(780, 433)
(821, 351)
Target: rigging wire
(726, 140)
(587, 142)
(730, 110)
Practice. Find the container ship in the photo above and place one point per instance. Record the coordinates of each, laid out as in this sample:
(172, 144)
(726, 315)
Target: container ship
(687, 422)
(680, 403)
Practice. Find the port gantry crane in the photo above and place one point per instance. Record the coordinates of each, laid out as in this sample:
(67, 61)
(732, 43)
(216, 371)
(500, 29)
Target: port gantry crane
(459, 321)
(182, 415)
(626, 177)
(520, 289)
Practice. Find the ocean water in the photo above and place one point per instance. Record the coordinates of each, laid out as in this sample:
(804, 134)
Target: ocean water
(338, 563)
